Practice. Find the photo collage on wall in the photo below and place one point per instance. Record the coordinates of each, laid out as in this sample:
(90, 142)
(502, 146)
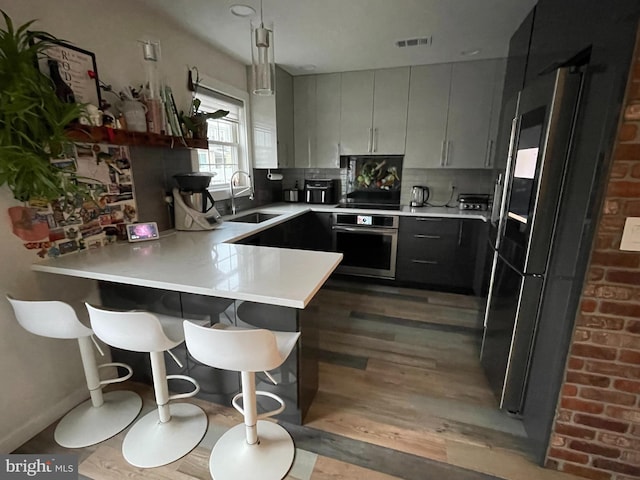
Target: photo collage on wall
(71, 224)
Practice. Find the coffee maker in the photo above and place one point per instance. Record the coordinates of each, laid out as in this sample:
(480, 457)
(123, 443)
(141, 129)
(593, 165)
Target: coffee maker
(193, 204)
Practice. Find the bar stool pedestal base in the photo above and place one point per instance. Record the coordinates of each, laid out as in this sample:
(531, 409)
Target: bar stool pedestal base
(151, 443)
(233, 458)
(87, 425)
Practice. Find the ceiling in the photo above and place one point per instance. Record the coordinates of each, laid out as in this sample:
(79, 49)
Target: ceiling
(343, 35)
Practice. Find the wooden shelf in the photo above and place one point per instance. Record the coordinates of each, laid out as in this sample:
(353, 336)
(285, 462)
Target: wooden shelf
(124, 137)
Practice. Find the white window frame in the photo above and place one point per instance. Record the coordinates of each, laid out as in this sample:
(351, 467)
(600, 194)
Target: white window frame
(221, 192)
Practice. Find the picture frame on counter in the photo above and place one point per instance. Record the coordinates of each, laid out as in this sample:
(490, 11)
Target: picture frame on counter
(78, 69)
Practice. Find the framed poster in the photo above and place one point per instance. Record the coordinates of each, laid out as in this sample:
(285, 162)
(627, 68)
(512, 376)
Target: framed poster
(77, 68)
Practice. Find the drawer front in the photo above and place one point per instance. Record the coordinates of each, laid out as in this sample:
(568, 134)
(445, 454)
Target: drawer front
(425, 272)
(434, 273)
(429, 225)
(427, 246)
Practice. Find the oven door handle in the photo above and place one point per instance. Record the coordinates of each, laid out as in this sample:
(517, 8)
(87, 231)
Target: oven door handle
(381, 231)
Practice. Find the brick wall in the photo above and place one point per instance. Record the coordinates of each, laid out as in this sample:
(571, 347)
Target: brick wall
(597, 429)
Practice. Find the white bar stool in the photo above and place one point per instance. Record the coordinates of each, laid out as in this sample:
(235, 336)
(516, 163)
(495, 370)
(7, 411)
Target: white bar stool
(105, 414)
(256, 449)
(170, 432)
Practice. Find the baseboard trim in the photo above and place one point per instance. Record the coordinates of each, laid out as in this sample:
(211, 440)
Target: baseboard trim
(41, 421)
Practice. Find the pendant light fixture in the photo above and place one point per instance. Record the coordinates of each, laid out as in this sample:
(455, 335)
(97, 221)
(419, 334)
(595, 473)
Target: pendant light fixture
(263, 66)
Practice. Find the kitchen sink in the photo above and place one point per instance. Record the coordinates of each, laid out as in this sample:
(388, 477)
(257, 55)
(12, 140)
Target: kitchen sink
(255, 217)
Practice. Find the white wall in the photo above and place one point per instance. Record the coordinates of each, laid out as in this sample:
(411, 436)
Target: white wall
(111, 30)
(41, 378)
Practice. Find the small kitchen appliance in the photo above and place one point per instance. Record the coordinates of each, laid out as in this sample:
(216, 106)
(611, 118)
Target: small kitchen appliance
(473, 201)
(320, 191)
(291, 194)
(419, 196)
(193, 204)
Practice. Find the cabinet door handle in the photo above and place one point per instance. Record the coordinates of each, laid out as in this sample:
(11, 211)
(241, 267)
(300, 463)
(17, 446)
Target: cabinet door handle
(430, 237)
(375, 140)
(424, 262)
(487, 161)
(443, 153)
(338, 155)
(460, 233)
(428, 219)
(448, 154)
(370, 142)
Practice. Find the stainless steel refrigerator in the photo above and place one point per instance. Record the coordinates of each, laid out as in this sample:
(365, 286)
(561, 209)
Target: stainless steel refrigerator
(526, 207)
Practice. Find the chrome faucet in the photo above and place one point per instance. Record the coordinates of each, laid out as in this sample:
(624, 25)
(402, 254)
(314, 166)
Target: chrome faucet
(249, 189)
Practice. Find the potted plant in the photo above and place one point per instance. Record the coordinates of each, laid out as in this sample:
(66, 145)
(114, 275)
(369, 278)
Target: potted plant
(32, 118)
(196, 123)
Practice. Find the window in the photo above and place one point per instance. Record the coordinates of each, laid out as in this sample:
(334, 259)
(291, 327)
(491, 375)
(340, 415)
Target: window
(227, 150)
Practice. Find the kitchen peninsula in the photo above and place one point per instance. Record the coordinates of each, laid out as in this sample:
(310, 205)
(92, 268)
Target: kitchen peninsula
(197, 275)
(207, 276)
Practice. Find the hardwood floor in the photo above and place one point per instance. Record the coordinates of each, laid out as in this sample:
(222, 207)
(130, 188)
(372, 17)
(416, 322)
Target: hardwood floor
(401, 395)
(400, 369)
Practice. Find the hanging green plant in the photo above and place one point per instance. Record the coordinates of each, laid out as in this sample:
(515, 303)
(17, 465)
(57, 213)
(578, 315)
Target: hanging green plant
(32, 118)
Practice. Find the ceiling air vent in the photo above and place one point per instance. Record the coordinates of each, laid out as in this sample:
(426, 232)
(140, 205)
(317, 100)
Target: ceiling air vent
(415, 42)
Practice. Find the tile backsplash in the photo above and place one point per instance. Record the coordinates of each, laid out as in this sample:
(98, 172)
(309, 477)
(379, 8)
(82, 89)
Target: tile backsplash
(153, 171)
(439, 182)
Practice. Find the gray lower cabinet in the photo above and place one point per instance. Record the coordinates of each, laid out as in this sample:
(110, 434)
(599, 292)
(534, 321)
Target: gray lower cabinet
(311, 231)
(437, 252)
(297, 377)
(433, 252)
(317, 234)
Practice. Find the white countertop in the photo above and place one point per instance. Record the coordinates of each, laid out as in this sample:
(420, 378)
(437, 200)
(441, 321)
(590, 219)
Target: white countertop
(448, 212)
(207, 263)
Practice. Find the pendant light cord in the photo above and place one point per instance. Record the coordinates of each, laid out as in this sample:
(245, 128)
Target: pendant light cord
(261, 18)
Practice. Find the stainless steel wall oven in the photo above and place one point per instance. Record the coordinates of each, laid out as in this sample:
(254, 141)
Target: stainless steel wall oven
(368, 242)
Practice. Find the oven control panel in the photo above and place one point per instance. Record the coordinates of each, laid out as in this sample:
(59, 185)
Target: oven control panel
(358, 220)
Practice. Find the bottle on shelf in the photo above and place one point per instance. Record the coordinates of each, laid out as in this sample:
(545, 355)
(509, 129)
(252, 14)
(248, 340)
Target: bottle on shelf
(153, 100)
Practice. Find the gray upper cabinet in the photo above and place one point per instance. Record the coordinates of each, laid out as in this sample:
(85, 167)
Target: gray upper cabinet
(450, 119)
(327, 121)
(390, 99)
(284, 118)
(427, 117)
(316, 115)
(373, 111)
(356, 112)
(272, 125)
(496, 105)
(438, 116)
(470, 101)
(264, 131)
(304, 119)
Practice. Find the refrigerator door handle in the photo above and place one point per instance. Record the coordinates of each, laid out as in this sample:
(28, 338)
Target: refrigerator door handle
(497, 200)
(513, 138)
(489, 295)
(517, 371)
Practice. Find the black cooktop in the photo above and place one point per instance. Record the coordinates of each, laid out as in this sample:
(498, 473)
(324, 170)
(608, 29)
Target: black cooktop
(371, 206)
